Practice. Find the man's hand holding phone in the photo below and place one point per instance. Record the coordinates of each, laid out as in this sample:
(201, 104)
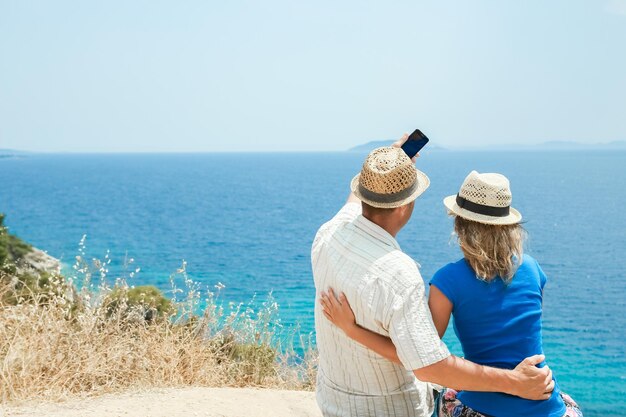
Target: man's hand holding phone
(412, 144)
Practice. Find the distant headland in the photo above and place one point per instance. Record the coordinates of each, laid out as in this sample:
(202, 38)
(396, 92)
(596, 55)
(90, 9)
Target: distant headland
(12, 153)
(366, 147)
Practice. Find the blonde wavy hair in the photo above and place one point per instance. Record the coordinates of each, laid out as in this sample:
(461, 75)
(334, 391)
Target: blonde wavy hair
(491, 250)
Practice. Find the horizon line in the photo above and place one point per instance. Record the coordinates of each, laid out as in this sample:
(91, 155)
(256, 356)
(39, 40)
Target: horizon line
(560, 144)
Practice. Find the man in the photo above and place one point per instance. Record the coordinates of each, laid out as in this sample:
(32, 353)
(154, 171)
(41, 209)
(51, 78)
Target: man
(356, 253)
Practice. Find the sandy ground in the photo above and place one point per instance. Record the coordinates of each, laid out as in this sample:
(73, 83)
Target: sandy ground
(213, 402)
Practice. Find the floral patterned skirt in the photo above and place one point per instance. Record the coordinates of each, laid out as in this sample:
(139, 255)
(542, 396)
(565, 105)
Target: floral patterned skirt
(450, 406)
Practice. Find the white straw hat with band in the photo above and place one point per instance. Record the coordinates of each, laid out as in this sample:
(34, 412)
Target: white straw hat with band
(389, 179)
(484, 198)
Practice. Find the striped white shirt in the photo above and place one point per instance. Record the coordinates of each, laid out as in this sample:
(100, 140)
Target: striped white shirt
(386, 292)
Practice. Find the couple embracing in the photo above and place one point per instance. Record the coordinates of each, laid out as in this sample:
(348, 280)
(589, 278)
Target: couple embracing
(379, 338)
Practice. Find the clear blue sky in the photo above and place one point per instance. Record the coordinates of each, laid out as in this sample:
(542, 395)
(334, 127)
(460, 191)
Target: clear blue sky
(293, 75)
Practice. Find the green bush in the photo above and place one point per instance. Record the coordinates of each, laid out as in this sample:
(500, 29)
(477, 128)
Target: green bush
(39, 288)
(251, 362)
(146, 300)
(12, 248)
(257, 361)
(26, 287)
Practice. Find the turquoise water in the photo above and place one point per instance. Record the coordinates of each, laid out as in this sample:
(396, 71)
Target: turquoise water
(247, 220)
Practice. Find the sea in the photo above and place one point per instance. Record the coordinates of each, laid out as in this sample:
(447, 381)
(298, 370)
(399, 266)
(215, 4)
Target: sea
(245, 221)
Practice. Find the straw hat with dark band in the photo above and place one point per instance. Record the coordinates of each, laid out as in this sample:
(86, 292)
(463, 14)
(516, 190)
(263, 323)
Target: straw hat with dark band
(389, 179)
(484, 198)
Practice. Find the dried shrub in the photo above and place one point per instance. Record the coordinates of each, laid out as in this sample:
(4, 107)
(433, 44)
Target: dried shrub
(64, 336)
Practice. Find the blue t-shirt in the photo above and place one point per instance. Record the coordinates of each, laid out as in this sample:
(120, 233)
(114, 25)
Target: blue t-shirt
(498, 325)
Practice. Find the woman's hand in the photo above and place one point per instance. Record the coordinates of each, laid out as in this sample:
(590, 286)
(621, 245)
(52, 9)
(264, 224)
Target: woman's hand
(338, 311)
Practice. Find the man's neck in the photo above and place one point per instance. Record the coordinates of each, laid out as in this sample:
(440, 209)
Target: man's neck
(387, 223)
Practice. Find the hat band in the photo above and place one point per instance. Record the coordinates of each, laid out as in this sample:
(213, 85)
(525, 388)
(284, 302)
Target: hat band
(387, 198)
(482, 209)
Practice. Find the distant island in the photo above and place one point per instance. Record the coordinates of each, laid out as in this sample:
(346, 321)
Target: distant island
(12, 153)
(366, 147)
(544, 146)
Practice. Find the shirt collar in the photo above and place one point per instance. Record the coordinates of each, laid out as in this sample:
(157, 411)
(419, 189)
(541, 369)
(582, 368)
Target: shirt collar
(376, 231)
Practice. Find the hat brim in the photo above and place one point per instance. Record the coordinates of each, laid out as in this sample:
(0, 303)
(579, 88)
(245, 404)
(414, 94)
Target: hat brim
(423, 182)
(513, 217)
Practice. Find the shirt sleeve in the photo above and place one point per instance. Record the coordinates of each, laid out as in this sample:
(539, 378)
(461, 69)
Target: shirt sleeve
(412, 330)
(348, 213)
(445, 285)
(542, 276)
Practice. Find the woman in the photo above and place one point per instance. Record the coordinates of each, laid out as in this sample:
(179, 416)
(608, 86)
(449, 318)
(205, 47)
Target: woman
(494, 294)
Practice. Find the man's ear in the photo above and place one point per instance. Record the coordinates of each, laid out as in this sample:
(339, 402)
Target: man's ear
(405, 208)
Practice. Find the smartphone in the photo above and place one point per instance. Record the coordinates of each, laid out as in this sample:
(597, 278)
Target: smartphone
(414, 143)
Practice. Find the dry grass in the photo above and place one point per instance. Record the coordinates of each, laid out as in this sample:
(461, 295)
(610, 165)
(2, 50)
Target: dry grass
(58, 341)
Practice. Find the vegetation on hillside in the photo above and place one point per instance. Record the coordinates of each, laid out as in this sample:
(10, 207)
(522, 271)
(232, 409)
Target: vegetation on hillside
(86, 334)
(12, 248)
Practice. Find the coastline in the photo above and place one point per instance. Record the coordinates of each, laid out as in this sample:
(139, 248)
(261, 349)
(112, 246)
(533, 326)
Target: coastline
(194, 401)
(39, 260)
